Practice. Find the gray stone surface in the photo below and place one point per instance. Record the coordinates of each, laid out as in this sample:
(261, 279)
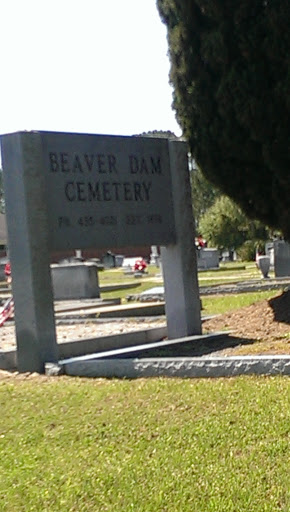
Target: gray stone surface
(111, 342)
(3, 230)
(155, 294)
(76, 348)
(281, 258)
(207, 258)
(198, 367)
(155, 349)
(28, 235)
(75, 281)
(8, 360)
(155, 290)
(2, 271)
(106, 191)
(72, 191)
(154, 256)
(179, 264)
(133, 310)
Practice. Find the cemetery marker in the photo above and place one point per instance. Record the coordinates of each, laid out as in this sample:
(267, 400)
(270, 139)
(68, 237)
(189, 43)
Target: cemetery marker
(68, 191)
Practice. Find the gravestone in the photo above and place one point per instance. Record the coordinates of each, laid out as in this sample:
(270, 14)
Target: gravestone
(263, 263)
(154, 256)
(3, 262)
(109, 260)
(269, 251)
(68, 191)
(75, 281)
(281, 258)
(119, 258)
(207, 258)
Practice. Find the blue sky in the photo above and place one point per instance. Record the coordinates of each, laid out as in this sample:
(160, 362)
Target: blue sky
(89, 66)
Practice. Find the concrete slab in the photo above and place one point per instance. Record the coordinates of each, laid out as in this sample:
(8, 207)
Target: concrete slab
(67, 306)
(132, 310)
(199, 367)
(152, 291)
(74, 348)
(8, 360)
(155, 349)
(75, 280)
(104, 344)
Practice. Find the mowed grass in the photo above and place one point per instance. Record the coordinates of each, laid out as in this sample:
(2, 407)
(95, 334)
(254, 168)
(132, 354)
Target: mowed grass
(211, 304)
(227, 273)
(219, 304)
(146, 445)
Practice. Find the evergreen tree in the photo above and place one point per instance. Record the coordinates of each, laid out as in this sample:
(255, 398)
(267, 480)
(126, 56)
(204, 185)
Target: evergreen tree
(230, 68)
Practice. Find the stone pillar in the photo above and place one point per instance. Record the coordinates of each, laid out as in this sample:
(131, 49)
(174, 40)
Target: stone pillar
(182, 303)
(29, 250)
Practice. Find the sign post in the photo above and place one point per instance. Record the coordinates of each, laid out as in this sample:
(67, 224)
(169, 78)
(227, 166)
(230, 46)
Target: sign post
(28, 232)
(68, 191)
(179, 261)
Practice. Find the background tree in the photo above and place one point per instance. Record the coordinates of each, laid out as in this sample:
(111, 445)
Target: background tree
(230, 68)
(225, 226)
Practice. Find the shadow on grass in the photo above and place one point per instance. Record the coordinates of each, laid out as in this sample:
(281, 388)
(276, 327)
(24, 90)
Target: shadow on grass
(281, 307)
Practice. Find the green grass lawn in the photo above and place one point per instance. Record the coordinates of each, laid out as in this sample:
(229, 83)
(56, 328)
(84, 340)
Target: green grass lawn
(213, 305)
(227, 273)
(168, 445)
(230, 273)
(234, 271)
(117, 275)
(123, 294)
(76, 445)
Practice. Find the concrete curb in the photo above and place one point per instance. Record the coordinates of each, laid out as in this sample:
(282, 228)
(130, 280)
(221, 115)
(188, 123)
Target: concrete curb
(116, 287)
(198, 367)
(76, 348)
(185, 367)
(8, 360)
(111, 342)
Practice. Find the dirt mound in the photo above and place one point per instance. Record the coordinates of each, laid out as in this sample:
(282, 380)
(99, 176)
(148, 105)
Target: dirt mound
(267, 321)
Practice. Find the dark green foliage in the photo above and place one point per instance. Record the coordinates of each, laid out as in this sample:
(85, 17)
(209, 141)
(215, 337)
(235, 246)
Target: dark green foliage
(248, 251)
(230, 68)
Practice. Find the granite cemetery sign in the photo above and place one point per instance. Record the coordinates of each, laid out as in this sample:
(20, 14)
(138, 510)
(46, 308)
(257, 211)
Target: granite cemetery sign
(105, 191)
(78, 191)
